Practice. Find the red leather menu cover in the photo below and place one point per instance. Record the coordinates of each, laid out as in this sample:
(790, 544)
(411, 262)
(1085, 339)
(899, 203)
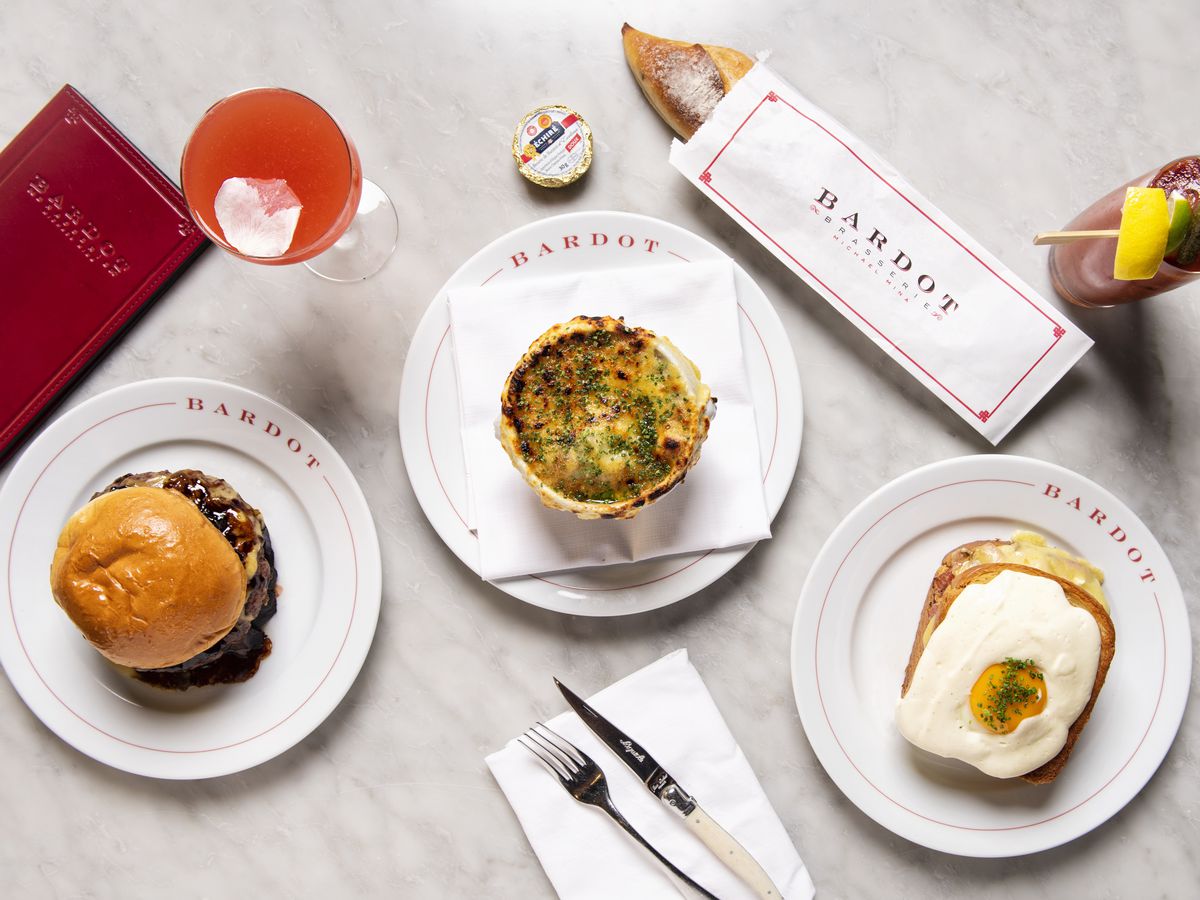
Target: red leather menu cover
(90, 235)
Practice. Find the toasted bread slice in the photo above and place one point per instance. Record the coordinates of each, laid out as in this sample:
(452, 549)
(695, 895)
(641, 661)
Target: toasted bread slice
(683, 82)
(950, 581)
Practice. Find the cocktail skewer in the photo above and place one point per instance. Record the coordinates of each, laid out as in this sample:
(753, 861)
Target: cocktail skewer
(1067, 237)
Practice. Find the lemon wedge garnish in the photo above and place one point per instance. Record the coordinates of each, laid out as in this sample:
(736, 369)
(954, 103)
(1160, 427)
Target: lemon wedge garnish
(1142, 241)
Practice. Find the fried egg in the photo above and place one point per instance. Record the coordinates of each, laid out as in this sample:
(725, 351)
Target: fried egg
(1003, 677)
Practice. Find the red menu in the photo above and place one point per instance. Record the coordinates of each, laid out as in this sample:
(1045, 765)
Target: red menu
(91, 233)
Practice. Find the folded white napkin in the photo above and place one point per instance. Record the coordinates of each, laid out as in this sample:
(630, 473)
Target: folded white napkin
(667, 709)
(721, 503)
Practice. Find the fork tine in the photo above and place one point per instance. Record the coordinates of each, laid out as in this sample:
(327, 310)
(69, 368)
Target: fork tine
(564, 745)
(549, 762)
(548, 746)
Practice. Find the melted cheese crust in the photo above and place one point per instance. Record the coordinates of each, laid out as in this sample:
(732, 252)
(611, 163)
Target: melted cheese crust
(1028, 548)
(599, 412)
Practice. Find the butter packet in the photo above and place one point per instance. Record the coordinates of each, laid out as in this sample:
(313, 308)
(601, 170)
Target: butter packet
(862, 237)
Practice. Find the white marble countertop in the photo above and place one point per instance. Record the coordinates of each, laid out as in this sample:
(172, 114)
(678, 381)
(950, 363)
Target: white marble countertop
(1010, 117)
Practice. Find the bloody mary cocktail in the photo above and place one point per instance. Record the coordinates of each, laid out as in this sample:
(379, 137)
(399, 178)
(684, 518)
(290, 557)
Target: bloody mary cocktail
(1082, 271)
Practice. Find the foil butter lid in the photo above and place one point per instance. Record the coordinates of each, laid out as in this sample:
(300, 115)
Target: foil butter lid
(552, 146)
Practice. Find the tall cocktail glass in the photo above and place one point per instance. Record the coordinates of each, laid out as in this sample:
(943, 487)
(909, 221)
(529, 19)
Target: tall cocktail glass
(1082, 271)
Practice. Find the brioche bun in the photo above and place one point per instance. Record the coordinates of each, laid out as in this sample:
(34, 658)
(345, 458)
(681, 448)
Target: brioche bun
(147, 579)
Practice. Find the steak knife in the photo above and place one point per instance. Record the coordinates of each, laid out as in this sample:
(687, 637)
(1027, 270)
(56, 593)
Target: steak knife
(659, 782)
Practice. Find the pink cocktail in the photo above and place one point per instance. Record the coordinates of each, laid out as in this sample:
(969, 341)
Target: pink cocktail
(273, 133)
(272, 178)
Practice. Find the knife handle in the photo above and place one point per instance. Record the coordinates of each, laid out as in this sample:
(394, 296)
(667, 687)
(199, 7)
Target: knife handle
(732, 854)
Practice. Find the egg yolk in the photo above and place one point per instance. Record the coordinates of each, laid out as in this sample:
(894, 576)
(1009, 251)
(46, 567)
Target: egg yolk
(1006, 693)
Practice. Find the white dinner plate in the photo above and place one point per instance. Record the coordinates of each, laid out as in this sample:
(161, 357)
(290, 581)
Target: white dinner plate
(326, 552)
(430, 424)
(854, 629)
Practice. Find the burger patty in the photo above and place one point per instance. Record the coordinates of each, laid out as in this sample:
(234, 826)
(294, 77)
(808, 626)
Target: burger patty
(236, 656)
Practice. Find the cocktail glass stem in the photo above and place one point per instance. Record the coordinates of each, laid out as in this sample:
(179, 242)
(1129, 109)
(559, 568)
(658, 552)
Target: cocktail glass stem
(366, 244)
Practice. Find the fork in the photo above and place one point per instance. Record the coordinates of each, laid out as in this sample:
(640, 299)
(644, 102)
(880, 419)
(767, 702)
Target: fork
(585, 781)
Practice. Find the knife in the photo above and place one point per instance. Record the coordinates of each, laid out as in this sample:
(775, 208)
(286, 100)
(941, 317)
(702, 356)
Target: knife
(659, 782)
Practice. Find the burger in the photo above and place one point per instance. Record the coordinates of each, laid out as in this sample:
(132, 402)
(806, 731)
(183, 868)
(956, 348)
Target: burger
(172, 575)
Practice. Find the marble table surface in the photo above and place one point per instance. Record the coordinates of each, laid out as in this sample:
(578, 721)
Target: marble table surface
(1010, 117)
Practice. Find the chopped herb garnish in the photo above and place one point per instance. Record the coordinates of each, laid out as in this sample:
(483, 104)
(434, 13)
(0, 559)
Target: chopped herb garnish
(612, 416)
(1009, 698)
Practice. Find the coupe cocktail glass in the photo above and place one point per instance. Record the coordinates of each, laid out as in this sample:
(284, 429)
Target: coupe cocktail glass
(347, 226)
(1082, 271)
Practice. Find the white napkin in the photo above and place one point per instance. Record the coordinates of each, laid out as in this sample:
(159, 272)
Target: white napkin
(721, 503)
(886, 258)
(667, 709)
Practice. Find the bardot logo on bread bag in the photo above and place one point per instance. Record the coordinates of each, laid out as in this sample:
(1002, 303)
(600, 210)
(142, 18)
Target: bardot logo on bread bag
(253, 420)
(1101, 519)
(882, 256)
